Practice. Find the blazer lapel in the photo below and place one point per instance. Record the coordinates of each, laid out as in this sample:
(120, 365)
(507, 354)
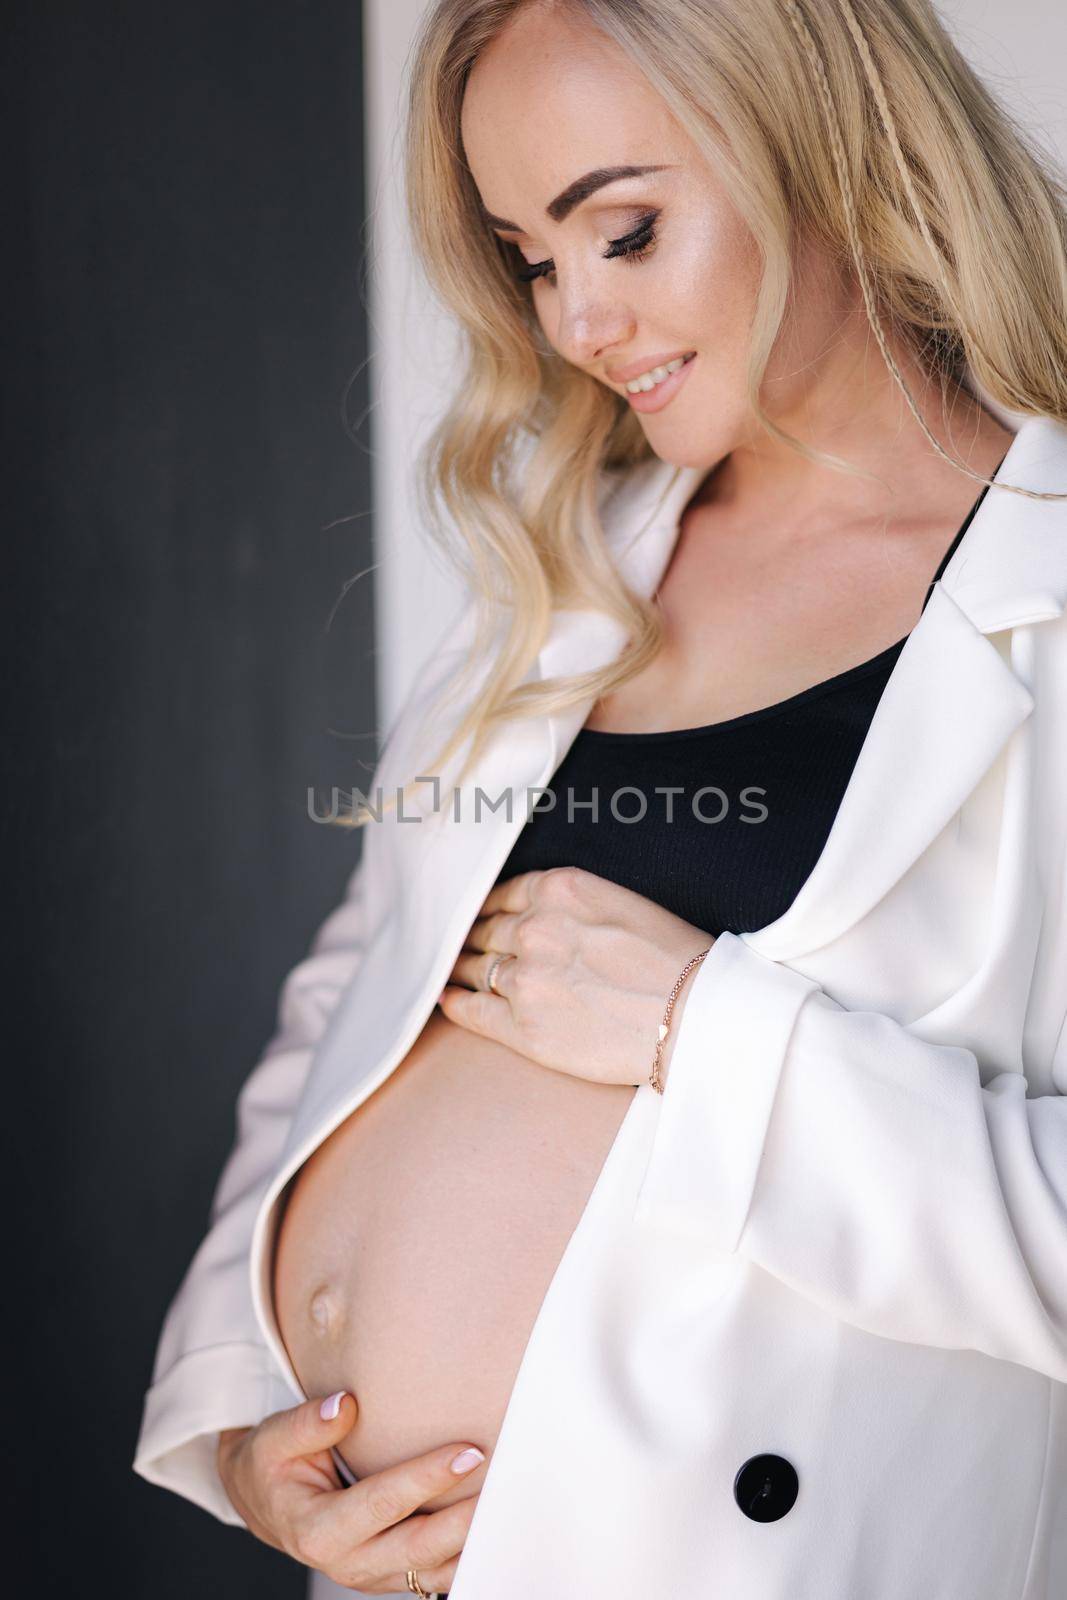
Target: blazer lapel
(948, 708)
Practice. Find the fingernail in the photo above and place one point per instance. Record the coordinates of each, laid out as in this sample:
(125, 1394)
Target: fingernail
(332, 1405)
(467, 1459)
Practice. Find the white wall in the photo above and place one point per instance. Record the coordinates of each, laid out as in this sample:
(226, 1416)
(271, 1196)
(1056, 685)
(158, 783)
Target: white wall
(410, 348)
(1020, 47)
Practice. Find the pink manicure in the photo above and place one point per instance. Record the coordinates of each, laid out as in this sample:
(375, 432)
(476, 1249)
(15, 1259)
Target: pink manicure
(332, 1405)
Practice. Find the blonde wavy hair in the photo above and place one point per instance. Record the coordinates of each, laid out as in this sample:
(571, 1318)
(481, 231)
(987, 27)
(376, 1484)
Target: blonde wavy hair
(857, 119)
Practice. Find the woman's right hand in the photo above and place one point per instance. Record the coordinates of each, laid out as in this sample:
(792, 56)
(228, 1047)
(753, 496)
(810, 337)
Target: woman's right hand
(282, 1480)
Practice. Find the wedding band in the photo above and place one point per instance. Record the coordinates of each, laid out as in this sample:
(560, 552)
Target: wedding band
(414, 1585)
(490, 977)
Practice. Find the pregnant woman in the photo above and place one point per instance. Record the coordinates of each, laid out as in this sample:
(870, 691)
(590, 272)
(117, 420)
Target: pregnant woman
(666, 1136)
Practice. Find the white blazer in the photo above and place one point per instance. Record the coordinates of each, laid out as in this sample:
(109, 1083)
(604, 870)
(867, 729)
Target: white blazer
(808, 1340)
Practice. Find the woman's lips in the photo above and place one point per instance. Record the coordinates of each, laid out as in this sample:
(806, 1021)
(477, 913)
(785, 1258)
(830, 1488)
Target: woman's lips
(662, 395)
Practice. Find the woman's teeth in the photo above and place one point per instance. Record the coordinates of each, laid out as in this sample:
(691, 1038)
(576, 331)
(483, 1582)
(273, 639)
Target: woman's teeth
(649, 380)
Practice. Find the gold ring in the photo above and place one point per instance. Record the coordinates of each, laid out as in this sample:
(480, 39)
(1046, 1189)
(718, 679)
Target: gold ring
(414, 1585)
(490, 977)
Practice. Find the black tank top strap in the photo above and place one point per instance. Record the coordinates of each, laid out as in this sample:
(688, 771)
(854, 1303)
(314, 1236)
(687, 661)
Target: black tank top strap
(947, 557)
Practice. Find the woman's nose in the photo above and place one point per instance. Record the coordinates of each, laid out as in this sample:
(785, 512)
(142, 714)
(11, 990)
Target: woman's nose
(587, 332)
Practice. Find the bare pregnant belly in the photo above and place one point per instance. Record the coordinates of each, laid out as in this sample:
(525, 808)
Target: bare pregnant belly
(418, 1240)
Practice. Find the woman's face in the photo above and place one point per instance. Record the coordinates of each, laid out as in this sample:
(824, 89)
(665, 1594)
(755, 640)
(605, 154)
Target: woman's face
(632, 273)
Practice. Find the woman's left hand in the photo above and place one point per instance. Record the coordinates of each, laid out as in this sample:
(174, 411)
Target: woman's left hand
(594, 965)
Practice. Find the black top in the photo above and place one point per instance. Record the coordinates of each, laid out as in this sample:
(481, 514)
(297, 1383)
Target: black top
(755, 797)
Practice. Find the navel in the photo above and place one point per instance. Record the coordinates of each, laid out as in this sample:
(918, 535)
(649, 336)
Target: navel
(325, 1310)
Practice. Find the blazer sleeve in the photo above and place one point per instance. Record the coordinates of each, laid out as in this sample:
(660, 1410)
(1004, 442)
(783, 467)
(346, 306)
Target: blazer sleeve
(886, 1179)
(211, 1369)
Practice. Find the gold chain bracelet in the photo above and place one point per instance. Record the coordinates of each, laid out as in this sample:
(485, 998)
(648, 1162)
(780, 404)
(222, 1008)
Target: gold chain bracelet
(665, 1025)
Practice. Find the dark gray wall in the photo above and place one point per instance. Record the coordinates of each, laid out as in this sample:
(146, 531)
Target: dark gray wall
(185, 229)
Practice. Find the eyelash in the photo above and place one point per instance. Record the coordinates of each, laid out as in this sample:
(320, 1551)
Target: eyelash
(632, 247)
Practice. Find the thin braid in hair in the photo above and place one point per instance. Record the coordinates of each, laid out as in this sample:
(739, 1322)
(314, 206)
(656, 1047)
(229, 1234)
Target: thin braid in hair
(874, 78)
(803, 32)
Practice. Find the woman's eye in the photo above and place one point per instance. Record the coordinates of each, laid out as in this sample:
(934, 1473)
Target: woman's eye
(633, 246)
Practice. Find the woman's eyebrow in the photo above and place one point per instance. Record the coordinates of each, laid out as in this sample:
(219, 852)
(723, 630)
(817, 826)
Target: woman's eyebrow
(561, 207)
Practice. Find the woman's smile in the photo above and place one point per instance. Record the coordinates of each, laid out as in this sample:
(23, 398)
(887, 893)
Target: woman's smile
(662, 391)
